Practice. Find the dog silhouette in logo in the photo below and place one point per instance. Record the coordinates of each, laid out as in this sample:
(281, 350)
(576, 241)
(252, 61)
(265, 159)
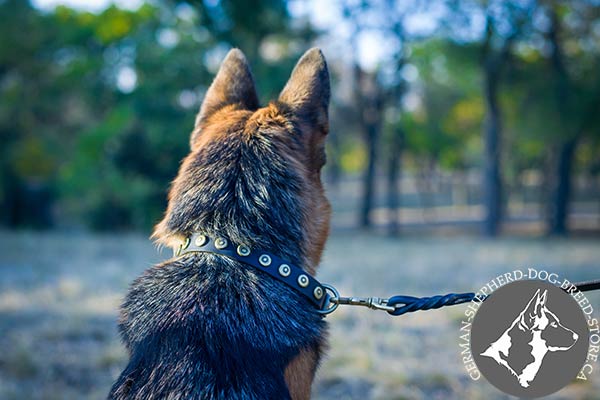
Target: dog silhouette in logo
(532, 335)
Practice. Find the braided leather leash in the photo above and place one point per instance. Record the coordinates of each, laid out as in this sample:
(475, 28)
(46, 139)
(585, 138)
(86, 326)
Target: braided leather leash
(324, 297)
(399, 305)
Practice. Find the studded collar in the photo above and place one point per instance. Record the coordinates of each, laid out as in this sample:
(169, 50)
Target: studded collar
(278, 268)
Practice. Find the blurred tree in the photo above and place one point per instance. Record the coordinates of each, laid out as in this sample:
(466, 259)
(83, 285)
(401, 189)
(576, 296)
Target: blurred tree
(395, 89)
(34, 125)
(505, 23)
(367, 101)
(97, 107)
(444, 131)
(497, 48)
(370, 105)
(555, 97)
(377, 97)
(577, 96)
(454, 107)
(112, 179)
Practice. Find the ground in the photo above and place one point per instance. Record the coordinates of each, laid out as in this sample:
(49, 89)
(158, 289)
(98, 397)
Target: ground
(59, 295)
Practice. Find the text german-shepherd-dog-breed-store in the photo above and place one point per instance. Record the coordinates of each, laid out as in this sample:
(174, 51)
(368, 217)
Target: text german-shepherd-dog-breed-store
(204, 325)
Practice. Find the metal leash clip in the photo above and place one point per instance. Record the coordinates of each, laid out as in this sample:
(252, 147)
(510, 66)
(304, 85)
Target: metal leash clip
(374, 303)
(334, 300)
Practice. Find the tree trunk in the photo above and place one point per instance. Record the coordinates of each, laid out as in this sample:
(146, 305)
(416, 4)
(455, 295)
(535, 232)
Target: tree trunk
(370, 111)
(562, 191)
(560, 197)
(371, 137)
(27, 205)
(394, 173)
(493, 62)
(492, 184)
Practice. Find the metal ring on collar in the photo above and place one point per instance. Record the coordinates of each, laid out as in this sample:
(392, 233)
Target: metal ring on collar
(329, 306)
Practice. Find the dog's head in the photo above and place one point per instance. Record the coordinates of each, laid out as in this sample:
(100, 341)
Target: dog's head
(538, 317)
(253, 172)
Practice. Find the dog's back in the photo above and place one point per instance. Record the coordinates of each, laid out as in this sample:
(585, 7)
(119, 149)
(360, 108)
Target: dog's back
(208, 327)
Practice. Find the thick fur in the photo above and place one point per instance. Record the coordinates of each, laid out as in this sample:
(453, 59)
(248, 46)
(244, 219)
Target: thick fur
(204, 326)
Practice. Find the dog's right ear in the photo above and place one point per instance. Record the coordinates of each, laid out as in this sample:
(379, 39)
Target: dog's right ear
(540, 303)
(307, 92)
(233, 85)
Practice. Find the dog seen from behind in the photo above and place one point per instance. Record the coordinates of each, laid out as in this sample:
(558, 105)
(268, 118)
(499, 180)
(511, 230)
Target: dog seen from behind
(205, 326)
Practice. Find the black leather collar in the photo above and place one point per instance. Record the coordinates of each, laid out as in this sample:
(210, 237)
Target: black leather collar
(278, 268)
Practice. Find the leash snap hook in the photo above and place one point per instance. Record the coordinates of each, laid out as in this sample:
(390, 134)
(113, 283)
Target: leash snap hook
(374, 303)
(377, 303)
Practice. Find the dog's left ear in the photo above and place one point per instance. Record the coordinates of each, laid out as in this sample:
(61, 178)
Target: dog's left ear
(532, 309)
(536, 305)
(233, 85)
(307, 91)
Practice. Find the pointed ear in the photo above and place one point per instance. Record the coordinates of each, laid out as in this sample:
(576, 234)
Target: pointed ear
(232, 85)
(530, 309)
(307, 91)
(540, 302)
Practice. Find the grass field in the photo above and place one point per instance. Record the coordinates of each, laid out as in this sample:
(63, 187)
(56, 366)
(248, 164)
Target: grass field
(59, 295)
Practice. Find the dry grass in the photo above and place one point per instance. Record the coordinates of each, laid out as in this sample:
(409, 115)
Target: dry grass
(59, 295)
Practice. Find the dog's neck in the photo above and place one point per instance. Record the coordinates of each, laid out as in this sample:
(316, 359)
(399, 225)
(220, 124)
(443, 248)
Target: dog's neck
(502, 347)
(293, 250)
(222, 191)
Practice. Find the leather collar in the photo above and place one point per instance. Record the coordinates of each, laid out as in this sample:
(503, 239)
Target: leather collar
(278, 268)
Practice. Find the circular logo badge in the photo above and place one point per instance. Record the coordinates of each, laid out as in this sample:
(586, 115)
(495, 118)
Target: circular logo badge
(529, 338)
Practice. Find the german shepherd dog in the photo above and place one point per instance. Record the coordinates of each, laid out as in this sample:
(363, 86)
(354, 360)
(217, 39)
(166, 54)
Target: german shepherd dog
(534, 333)
(203, 326)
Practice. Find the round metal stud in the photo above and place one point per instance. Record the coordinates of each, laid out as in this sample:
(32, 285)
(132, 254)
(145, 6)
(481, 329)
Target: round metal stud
(303, 280)
(220, 243)
(264, 260)
(284, 270)
(201, 240)
(318, 292)
(243, 250)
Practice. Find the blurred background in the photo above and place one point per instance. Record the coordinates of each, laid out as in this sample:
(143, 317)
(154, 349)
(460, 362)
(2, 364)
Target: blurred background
(465, 141)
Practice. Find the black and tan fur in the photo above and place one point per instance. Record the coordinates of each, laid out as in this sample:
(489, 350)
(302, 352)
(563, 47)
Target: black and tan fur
(203, 326)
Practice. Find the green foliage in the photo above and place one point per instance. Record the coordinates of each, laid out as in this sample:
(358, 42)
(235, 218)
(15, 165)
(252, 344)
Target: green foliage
(97, 108)
(446, 128)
